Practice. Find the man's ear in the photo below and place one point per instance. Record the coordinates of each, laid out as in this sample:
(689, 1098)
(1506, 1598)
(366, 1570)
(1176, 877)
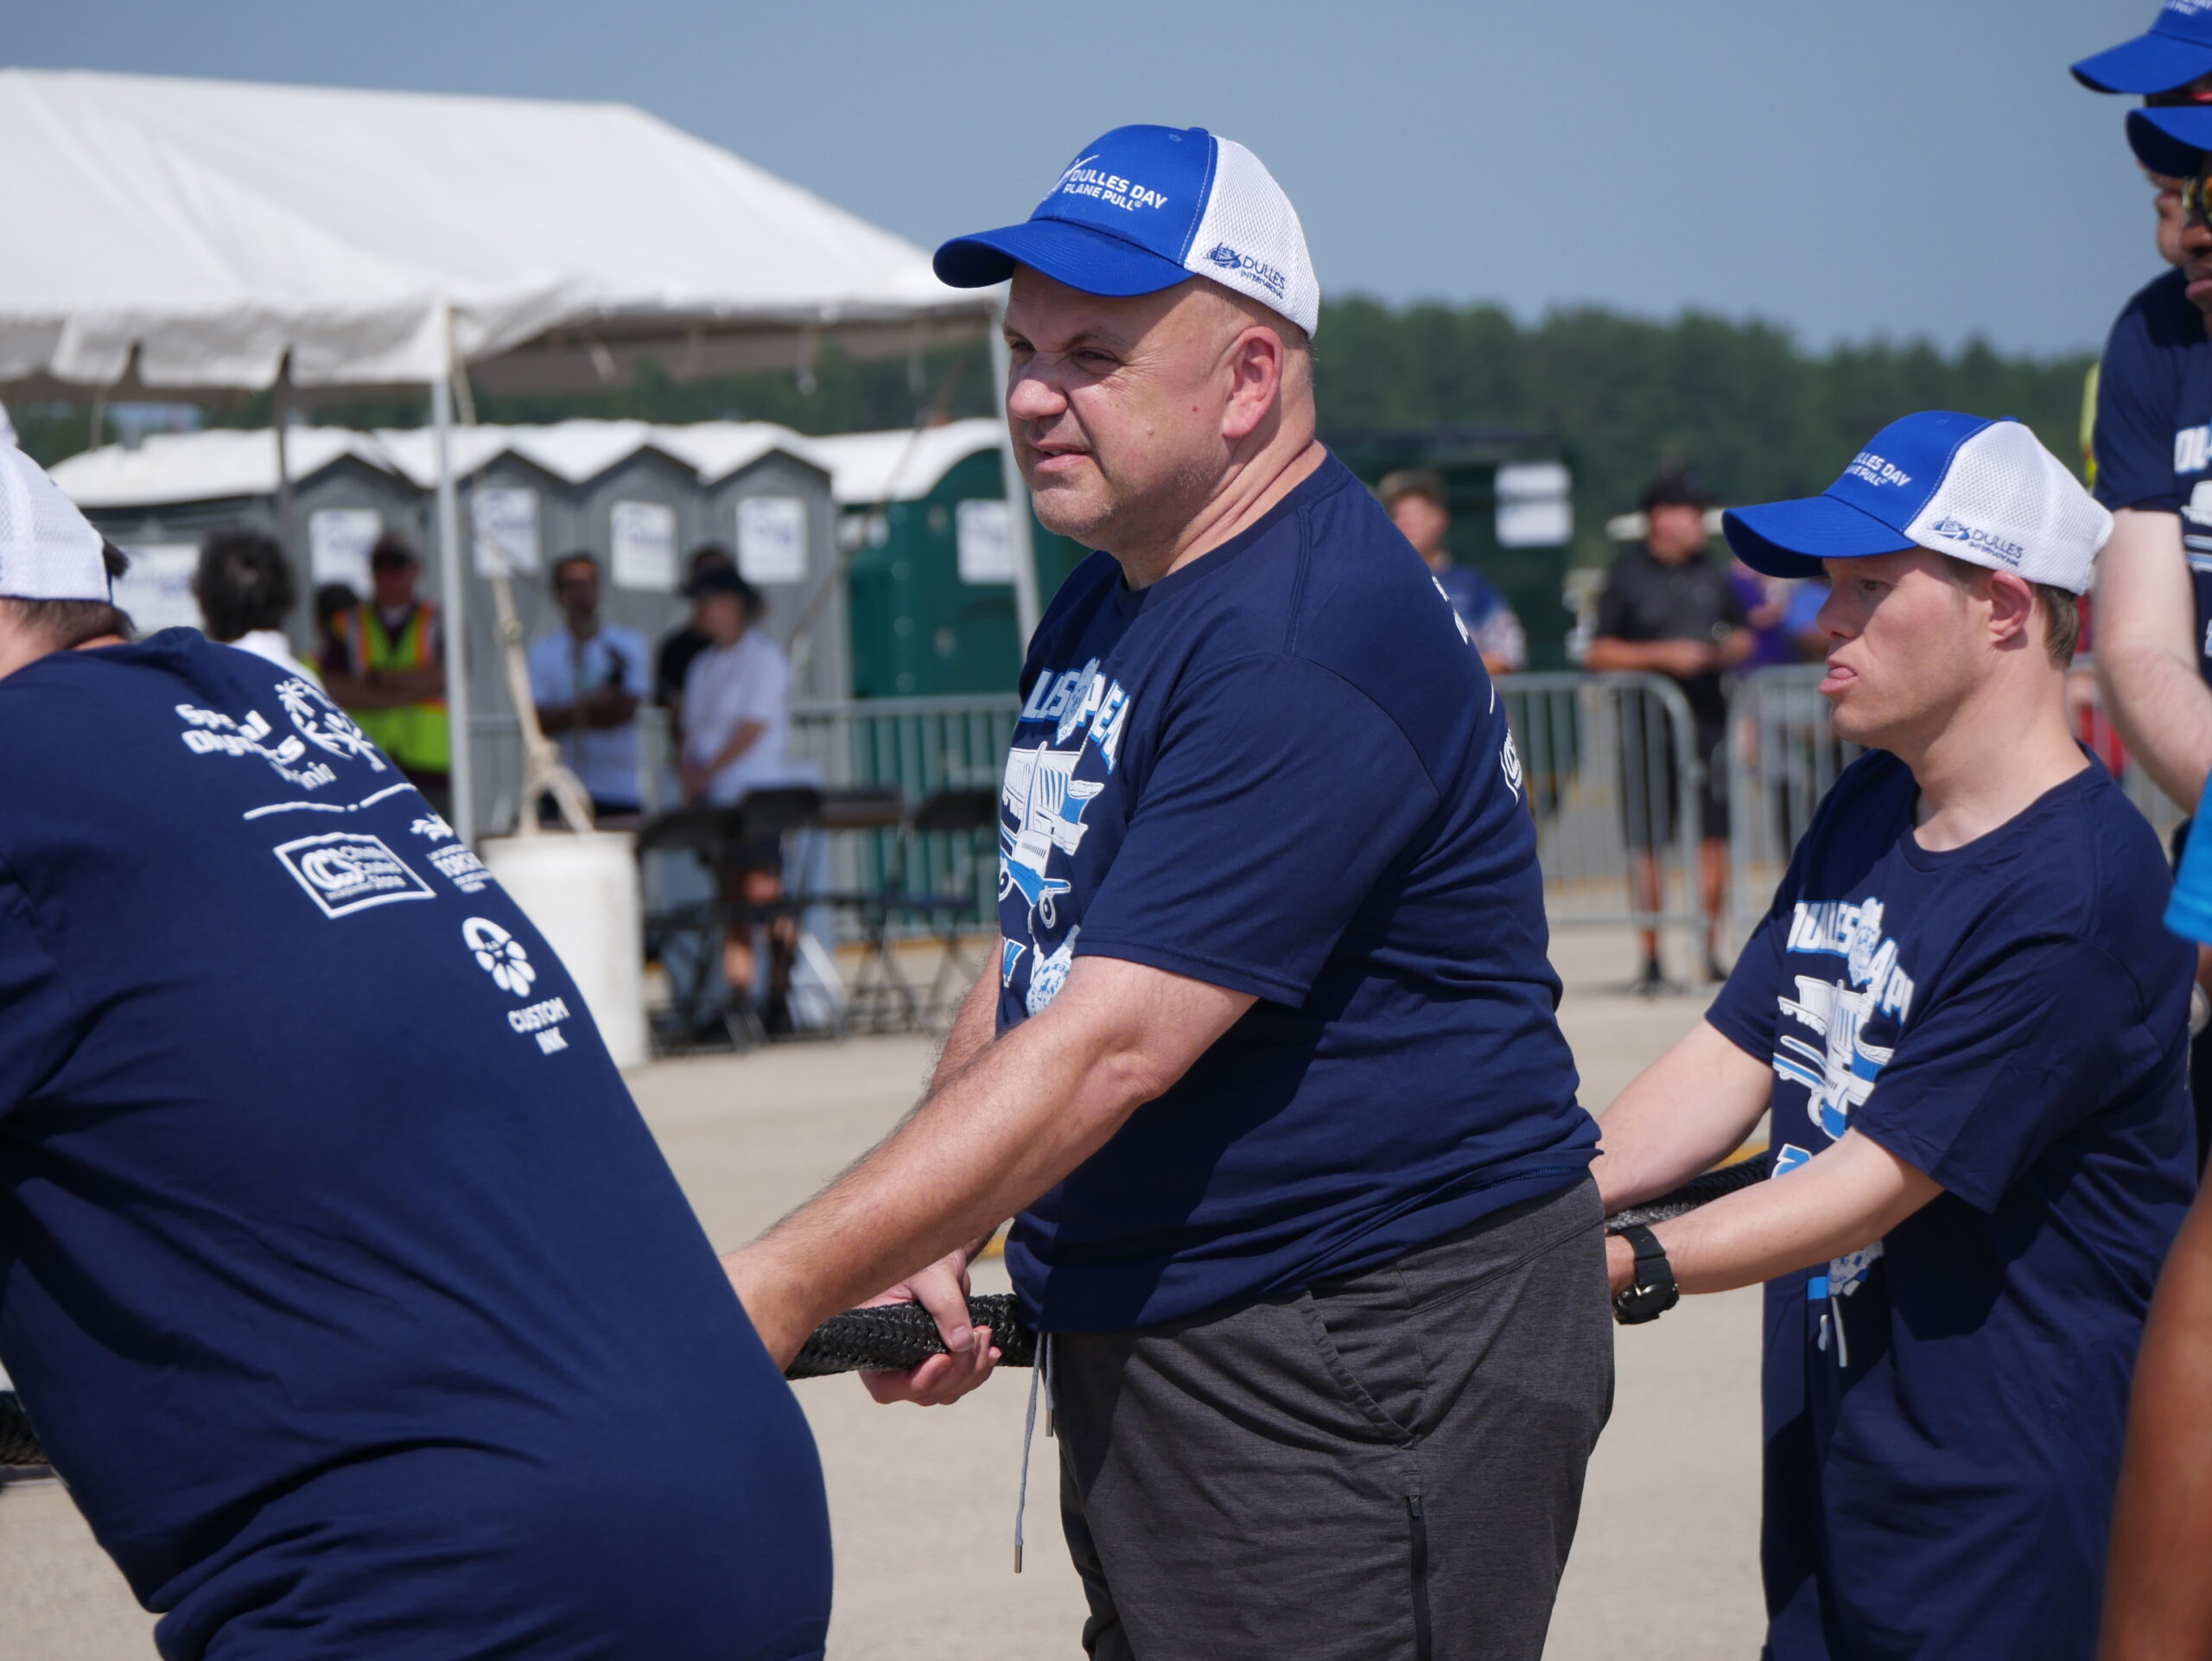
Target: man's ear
(2012, 607)
(1256, 365)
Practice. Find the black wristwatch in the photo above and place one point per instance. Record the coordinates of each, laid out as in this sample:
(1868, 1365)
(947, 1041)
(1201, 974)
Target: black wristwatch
(1655, 1291)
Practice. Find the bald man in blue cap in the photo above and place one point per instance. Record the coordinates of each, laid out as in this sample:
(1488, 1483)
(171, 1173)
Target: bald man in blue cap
(1266, 1066)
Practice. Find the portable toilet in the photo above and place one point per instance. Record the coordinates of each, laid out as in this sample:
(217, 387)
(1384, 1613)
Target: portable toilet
(931, 577)
(765, 496)
(159, 502)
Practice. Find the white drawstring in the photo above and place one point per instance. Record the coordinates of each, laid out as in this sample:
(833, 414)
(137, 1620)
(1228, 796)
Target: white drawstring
(1036, 1382)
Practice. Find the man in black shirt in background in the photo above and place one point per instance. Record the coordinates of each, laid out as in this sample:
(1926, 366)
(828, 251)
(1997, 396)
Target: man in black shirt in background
(1668, 610)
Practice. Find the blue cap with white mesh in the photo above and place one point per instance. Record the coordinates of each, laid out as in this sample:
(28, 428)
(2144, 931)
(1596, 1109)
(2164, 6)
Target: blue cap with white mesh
(1985, 491)
(1144, 208)
(2173, 52)
(47, 549)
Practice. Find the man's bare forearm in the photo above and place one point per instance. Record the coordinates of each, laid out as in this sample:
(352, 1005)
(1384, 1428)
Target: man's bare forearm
(2164, 709)
(1020, 1116)
(1691, 1107)
(2158, 1600)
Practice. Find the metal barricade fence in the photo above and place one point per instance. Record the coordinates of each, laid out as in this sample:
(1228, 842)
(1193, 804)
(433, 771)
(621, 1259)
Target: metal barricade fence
(1784, 754)
(1614, 778)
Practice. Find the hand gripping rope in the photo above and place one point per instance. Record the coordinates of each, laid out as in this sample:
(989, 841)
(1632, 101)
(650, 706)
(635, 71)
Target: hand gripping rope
(891, 1337)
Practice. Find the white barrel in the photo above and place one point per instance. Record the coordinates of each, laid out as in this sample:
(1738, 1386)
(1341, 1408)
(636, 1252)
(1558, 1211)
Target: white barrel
(582, 893)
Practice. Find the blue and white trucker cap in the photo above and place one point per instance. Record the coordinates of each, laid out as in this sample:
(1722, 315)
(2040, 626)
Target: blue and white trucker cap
(2175, 51)
(47, 549)
(1985, 492)
(1142, 209)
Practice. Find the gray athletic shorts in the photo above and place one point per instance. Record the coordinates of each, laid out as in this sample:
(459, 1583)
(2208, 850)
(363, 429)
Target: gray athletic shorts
(1385, 1467)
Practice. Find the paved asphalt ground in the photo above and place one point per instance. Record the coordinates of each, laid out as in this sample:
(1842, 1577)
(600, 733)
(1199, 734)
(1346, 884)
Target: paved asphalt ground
(1664, 1569)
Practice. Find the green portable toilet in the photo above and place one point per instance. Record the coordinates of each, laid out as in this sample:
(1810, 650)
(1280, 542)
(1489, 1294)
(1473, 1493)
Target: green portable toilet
(929, 578)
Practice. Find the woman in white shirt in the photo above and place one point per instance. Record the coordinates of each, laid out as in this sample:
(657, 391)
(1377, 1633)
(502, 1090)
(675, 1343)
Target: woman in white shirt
(736, 720)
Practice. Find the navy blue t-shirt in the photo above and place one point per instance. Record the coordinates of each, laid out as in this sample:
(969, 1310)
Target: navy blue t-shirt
(1944, 1409)
(341, 1278)
(2154, 434)
(1281, 771)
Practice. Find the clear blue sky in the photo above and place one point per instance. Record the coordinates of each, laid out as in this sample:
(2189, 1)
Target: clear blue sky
(1887, 167)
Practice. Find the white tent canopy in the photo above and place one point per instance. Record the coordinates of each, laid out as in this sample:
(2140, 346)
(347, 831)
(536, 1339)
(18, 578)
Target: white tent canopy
(213, 227)
(189, 236)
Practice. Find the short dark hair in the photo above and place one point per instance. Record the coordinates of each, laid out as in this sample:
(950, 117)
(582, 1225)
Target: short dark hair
(1412, 482)
(244, 583)
(711, 553)
(64, 624)
(1676, 487)
(334, 600)
(390, 547)
(579, 557)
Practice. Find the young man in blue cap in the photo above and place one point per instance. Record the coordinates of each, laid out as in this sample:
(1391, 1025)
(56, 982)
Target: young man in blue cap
(1970, 1029)
(339, 1274)
(1267, 1060)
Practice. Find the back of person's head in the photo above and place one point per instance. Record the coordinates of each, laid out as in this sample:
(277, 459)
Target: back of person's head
(244, 584)
(709, 556)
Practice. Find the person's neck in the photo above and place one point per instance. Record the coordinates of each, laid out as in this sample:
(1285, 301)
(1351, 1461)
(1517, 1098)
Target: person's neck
(1997, 753)
(1249, 491)
(1440, 560)
(583, 628)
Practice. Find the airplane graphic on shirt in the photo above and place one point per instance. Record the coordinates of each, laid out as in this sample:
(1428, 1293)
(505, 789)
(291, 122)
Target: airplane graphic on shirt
(1046, 800)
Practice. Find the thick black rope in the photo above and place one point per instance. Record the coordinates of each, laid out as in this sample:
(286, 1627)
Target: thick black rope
(891, 1337)
(895, 1336)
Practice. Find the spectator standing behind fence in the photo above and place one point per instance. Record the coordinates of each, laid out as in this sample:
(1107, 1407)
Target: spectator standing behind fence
(246, 590)
(588, 678)
(737, 715)
(673, 661)
(1416, 506)
(385, 666)
(1668, 610)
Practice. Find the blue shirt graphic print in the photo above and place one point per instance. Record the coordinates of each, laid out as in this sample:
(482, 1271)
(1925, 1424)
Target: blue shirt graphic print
(1281, 771)
(1944, 1408)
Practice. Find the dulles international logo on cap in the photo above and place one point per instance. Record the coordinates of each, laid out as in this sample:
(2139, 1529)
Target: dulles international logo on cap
(1082, 179)
(1873, 469)
(1986, 542)
(1260, 272)
(2188, 8)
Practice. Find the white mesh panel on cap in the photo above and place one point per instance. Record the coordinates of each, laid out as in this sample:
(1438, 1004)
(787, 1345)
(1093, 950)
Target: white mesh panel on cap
(2007, 503)
(47, 550)
(1249, 239)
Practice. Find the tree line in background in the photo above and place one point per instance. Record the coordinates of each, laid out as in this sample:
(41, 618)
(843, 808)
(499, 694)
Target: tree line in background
(1755, 413)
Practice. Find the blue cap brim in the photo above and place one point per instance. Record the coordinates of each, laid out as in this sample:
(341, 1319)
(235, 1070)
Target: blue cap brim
(1084, 258)
(2147, 64)
(2170, 142)
(1792, 538)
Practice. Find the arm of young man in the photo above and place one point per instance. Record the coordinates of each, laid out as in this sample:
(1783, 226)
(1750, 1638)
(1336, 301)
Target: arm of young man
(1683, 1114)
(1838, 1201)
(1020, 1115)
(2157, 1599)
(2146, 652)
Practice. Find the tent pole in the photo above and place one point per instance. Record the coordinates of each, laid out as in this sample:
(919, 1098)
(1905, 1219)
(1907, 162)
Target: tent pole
(280, 415)
(453, 599)
(1027, 607)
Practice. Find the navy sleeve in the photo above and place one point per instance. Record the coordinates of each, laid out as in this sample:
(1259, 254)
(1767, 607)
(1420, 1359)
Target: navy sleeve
(1996, 1071)
(1279, 794)
(1745, 1011)
(2133, 438)
(37, 1024)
